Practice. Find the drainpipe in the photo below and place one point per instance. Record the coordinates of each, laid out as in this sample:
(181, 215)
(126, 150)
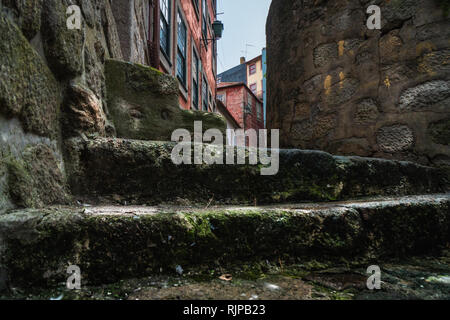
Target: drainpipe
(243, 121)
(153, 38)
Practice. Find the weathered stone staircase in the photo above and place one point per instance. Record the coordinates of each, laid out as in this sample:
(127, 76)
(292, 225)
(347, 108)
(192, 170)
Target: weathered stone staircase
(139, 214)
(133, 212)
(129, 211)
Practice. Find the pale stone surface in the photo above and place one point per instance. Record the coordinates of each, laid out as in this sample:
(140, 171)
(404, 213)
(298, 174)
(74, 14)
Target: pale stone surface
(132, 29)
(395, 138)
(424, 95)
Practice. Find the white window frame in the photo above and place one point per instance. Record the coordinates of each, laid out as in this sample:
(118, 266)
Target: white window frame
(183, 89)
(205, 82)
(167, 61)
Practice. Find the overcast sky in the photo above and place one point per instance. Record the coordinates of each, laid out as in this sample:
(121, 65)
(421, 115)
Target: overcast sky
(245, 24)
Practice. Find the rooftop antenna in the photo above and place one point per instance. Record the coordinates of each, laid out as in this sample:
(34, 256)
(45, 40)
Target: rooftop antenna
(246, 49)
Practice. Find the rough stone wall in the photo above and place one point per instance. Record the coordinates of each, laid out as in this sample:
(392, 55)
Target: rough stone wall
(52, 87)
(133, 29)
(335, 85)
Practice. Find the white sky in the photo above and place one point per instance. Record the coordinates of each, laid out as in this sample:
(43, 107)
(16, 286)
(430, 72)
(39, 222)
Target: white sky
(245, 24)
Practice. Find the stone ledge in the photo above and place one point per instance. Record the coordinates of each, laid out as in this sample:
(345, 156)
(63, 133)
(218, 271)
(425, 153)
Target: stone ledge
(112, 243)
(142, 172)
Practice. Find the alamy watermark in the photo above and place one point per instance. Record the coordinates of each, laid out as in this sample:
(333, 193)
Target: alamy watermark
(74, 280)
(74, 20)
(374, 21)
(209, 148)
(374, 280)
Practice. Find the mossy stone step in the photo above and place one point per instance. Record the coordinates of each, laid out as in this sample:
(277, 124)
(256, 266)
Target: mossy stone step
(115, 242)
(142, 172)
(144, 103)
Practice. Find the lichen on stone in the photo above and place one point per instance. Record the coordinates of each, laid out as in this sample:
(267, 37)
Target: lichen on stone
(36, 179)
(109, 246)
(144, 103)
(63, 46)
(29, 91)
(27, 14)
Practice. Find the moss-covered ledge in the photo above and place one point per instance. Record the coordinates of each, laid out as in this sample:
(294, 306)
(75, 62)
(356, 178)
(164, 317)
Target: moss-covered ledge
(144, 103)
(112, 243)
(142, 172)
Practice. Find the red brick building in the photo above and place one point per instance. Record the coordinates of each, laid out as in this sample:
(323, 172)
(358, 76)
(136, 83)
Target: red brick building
(182, 42)
(242, 104)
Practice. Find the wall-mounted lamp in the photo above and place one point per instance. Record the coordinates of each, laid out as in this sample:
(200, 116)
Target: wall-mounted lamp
(218, 31)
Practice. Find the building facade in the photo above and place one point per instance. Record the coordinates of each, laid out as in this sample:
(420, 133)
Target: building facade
(175, 37)
(232, 124)
(264, 67)
(252, 73)
(255, 76)
(244, 106)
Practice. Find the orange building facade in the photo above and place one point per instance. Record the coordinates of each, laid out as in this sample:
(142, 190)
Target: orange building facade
(243, 105)
(183, 44)
(255, 76)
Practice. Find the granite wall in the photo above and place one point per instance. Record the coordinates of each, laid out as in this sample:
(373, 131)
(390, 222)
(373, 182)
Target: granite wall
(337, 86)
(52, 87)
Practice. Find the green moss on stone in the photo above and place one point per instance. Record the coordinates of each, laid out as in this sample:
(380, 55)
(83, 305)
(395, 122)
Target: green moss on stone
(5, 203)
(144, 173)
(63, 47)
(27, 14)
(30, 91)
(41, 244)
(36, 180)
(21, 185)
(144, 103)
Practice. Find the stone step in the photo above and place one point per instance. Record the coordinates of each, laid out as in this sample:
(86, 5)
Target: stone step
(142, 172)
(110, 243)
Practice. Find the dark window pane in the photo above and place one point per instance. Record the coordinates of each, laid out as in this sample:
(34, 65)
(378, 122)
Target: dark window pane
(182, 35)
(165, 26)
(181, 54)
(205, 94)
(195, 94)
(181, 68)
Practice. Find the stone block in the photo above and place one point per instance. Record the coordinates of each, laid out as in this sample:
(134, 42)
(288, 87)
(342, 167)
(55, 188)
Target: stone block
(143, 104)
